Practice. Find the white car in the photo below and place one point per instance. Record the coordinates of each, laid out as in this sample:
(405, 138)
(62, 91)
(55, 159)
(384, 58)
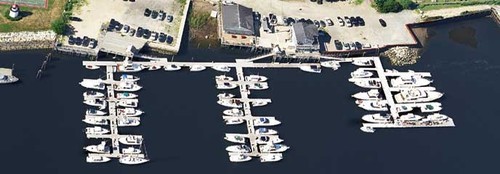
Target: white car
(154, 36)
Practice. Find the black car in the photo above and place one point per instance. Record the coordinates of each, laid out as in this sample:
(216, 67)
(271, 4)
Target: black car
(162, 37)
(360, 20)
(382, 22)
(348, 21)
(139, 32)
(170, 18)
(118, 27)
(93, 43)
(146, 34)
(322, 23)
(71, 40)
(354, 21)
(358, 45)
(341, 21)
(338, 44)
(154, 14)
(85, 41)
(78, 41)
(320, 2)
(170, 39)
(147, 12)
(77, 19)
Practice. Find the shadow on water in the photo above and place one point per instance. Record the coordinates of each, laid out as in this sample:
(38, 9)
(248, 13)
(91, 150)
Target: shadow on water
(465, 35)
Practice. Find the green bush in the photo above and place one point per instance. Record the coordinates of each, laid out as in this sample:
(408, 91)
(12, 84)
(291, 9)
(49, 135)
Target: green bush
(407, 4)
(59, 25)
(386, 6)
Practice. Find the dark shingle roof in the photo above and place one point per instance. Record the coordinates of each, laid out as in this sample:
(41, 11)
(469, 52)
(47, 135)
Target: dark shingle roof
(305, 33)
(237, 19)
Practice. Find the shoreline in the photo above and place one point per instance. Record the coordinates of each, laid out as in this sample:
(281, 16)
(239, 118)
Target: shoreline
(27, 40)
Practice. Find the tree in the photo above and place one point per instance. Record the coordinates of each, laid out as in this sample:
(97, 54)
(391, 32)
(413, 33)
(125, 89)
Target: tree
(407, 4)
(59, 25)
(386, 6)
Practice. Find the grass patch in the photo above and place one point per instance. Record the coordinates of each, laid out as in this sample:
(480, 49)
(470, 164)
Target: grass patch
(358, 2)
(440, 4)
(437, 7)
(34, 19)
(198, 20)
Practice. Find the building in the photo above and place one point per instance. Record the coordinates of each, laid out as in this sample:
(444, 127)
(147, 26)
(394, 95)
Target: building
(238, 27)
(305, 37)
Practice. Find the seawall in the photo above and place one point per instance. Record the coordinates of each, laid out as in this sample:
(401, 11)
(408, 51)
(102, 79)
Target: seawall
(27, 40)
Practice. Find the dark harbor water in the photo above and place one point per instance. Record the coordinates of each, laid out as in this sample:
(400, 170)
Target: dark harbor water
(42, 131)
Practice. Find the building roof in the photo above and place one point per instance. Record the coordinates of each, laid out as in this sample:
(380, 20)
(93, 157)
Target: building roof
(237, 19)
(306, 34)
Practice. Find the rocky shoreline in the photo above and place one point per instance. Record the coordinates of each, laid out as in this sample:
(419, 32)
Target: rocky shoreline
(400, 56)
(27, 40)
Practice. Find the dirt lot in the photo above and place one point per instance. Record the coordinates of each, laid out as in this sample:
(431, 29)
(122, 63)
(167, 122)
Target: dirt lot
(205, 33)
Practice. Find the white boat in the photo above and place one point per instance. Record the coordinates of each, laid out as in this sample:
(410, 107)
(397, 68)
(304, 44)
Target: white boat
(95, 121)
(151, 67)
(259, 103)
(403, 108)
(271, 157)
(129, 68)
(97, 159)
(92, 67)
(130, 112)
(331, 64)
(312, 69)
(126, 95)
(131, 150)
(131, 140)
(93, 94)
(437, 117)
(410, 81)
(366, 83)
(233, 121)
(225, 95)
(410, 117)
(96, 130)
(132, 160)
(373, 105)
(265, 131)
(367, 129)
(271, 147)
(256, 78)
(129, 121)
(267, 140)
(100, 148)
(127, 87)
(172, 67)
(237, 157)
(221, 68)
(266, 121)
(94, 112)
(93, 84)
(258, 86)
(196, 68)
(359, 73)
(129, 78)
(431, 107)
(226, 85)
(362, 62)
(101, 104)
(372, 94)
(233, 112)
(377, 118)
(241, 148)
(235, 138)
(223, 78)
(232, 103)
(417, 96)
(132, 103)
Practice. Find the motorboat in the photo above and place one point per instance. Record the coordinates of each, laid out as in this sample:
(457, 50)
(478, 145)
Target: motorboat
(235, 138)
(368, 83)
(96, 130)
(266, 121)
(256, 78)
(130, 112)
(311, 69)
(172, 67)
(331, 64)
(152, 67)
(232, 103)
(271, 157)
(126, 87)
(131, 140)
(128, 103)
(417, 96)
(241, 148)
(377, 118)
(100, 148)
(373, 105)
(225, 95)
(403, 108)
(92, 67)
(129, 78)
(97, 159)
(410, 81)
(258, 86)
(129, 121)
(372, 94)
(221, 68)
(132, 160)
(101, 104)
(95, 121)
(196, 68)
(233, 112)
(238, 157)
(409, 117)
(437, 117)
(93, 94)
(94, 112)
(259, 103)
(271, 147)
(233, 120)
(268, 139)
(431, 107)
(367, 129)
(362, 62)
(129, 67)
(360, 73)
(131, 150)
(226, 85)
(6, 79)
(223, 78)
(265, 131)
(126, 95)
(93, 84)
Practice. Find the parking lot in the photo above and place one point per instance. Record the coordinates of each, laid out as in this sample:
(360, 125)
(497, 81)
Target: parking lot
(90, 19)
(372, 34)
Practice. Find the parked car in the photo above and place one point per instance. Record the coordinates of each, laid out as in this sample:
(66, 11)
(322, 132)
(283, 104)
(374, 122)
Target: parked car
(316, 22)
(146, 34)
(125, 29)
(170, 39)
(77, 19)
(329, 22)
(347, 46)
(360, 20)
(320, 2)
(118, 27)
(354, 21)
(78, 41)
(353, 46)
(93, 43)
(162, 37)
(358, 45)
(131, 32)
(139, 32)
(347, 21)
(382, 22)
(341, 21)
(170, 18)
(338, 44)
(154, 14)
(154, 36)
(147, 12)
(71, 40)
(322, 23)
(161, 15)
